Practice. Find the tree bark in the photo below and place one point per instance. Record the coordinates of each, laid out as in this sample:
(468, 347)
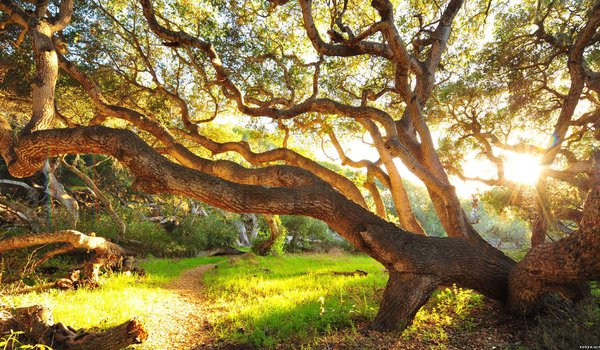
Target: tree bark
(39, 328)
(403, 296)
(265, 247)
(44, 84)
(561, 267)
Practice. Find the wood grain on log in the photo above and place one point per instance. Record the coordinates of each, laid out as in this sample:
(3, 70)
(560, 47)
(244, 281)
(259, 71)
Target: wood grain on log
(38, 327)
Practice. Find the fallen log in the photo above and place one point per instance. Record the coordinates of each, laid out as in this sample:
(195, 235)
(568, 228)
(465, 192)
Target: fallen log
(352, 273)
(72, 281)
(74, 238)
(105, 252)
(38, 327)
(221, 252)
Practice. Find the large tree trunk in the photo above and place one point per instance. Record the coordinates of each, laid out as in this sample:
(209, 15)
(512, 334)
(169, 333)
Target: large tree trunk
(561, 267)
(38, 327)
(403, 296)
(450, 260)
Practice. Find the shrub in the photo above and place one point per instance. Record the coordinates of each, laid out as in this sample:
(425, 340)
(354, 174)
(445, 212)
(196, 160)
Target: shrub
(198, 233)
(308, 234)
(153, 239)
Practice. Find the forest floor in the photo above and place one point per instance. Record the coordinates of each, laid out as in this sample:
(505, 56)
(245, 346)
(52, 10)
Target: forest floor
(294, 302)
(298, 302)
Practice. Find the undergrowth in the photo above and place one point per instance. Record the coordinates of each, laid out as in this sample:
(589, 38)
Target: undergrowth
(297, 301)
(118, 299)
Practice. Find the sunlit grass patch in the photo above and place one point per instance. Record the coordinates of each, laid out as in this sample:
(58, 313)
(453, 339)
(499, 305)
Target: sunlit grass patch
(269, 300)
(165, 270)
(118, 299)
(447, 308)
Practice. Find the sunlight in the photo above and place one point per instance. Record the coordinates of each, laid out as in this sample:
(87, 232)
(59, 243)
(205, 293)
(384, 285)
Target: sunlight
(522, 168)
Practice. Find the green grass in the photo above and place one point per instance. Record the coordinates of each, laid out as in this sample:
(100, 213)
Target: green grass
(516, 254)
(263, 301)
(448, 309)
(165, 270)
(118, 299)
(294, 299)
(268, 300)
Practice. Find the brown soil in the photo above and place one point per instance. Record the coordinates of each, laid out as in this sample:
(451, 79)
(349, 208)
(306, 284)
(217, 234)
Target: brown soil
(180, 322)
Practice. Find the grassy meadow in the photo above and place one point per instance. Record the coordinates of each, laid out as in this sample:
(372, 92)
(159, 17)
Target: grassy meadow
(297, 300)
(118, 299)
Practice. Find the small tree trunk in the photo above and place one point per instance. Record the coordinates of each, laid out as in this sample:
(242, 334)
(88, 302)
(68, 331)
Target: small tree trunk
(243, 239)
(251, 223)
(404, 295)
(542, 215)
(105, 202)
(57, 191)
(46, 76)
(406, 216)
(265, 247)
(374, 191)
(538, 230)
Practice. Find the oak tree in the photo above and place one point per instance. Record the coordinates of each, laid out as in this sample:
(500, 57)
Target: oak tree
(141, 80)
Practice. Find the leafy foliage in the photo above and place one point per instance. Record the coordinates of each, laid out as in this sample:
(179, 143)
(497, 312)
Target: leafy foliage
(306, 234)
(198, 233)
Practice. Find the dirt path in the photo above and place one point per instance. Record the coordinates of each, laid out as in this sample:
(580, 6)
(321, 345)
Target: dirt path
(180, 321)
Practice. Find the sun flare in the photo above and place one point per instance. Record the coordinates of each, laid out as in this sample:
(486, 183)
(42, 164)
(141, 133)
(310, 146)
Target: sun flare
(522, 168)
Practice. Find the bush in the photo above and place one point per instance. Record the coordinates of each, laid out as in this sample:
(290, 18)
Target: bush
(308, 234)
(198, 233)
(143, 237)
(153, 239)
(99, 222)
